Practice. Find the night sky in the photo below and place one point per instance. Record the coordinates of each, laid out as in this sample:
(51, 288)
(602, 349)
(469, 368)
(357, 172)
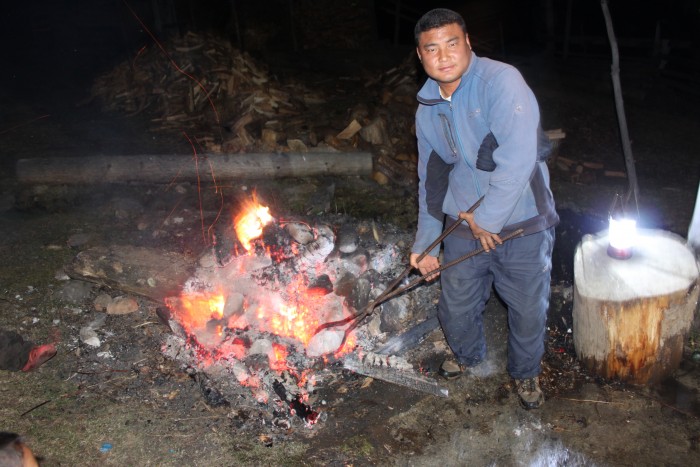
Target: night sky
(63, 41)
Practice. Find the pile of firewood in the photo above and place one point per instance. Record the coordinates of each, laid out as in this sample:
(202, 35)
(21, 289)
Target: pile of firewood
(204, 86)
(201, 83)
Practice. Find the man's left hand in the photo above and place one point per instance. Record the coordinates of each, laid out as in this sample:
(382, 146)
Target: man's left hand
(488, 240)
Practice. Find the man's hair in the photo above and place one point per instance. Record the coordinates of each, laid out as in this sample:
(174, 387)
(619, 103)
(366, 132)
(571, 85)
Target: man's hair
(438, 18)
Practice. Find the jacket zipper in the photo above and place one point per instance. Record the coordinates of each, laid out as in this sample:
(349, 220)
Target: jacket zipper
(464, 157)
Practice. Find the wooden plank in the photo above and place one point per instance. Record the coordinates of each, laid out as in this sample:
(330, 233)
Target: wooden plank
(168, 168)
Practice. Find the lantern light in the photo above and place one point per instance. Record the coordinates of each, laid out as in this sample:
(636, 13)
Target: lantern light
(622, 235)
(622, 230)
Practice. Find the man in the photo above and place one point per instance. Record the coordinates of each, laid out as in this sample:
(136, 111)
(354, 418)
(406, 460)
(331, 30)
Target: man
(478, 135)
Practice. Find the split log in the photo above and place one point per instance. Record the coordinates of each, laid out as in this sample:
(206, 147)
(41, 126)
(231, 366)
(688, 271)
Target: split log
(350, 130)
(150, 273)
(167, 168)
(555, 134)
(376, 132)
(630, 316)
(393, 171)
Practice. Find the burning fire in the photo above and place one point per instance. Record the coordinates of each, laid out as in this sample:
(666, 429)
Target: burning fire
(201, 308)
(219, 318)
(250, 222)
(267, 302)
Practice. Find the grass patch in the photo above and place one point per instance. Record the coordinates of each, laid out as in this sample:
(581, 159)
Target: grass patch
(74, 426)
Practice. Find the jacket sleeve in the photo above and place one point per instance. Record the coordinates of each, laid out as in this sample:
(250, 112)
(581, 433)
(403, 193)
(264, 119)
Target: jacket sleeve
(433, 175)
(513, 118)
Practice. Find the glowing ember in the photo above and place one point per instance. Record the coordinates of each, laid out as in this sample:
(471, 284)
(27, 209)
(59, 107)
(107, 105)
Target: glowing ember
(200, 308)
(250, 222)
(278, 357)
(292, 321)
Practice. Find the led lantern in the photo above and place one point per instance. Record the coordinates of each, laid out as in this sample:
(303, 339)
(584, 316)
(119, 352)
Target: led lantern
(622, 235)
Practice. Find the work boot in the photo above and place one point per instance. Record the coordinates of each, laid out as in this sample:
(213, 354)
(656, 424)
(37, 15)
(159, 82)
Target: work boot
(451, 369)
(39, 355)
(531, 396)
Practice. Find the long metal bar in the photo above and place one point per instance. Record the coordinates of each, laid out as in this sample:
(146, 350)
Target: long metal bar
(407, 379)
(396, 281)
(357, 319)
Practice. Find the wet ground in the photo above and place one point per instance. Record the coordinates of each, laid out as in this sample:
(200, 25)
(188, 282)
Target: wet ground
(126, 404)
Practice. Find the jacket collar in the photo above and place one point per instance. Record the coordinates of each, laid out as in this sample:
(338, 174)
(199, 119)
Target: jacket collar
(429, 94)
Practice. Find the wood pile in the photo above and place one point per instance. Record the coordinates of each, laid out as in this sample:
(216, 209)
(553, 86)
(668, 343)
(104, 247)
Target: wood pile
(202, 85)
(391, 124)
(228, 103)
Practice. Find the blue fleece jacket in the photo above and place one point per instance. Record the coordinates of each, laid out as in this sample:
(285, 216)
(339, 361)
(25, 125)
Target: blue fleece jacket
(482, 142)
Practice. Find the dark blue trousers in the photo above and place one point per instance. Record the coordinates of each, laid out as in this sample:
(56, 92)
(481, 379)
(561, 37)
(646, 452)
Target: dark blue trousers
(520, 271)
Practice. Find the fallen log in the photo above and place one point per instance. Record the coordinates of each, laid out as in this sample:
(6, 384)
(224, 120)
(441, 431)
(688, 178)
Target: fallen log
(168, 168)
(142, 271)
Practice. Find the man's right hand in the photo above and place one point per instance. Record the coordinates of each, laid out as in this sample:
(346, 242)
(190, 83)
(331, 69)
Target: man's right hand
(426, 265)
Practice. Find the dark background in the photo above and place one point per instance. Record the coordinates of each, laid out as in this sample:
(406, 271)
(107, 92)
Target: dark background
(47, 42)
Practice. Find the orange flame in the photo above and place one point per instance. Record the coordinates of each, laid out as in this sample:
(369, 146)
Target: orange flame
(198, 308)
(278, 357)
(250, 222)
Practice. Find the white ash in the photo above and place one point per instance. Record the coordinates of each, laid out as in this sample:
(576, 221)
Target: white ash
(88, 334)
(317, 251)
(235, 378)
(388, 361)
(234, 305)
(260, 347)
(385, 259)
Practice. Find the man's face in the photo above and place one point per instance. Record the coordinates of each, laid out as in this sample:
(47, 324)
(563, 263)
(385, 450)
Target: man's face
(445, 53)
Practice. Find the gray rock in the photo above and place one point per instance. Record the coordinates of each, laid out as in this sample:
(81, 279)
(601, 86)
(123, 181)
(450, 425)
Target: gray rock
(89, 337)
(344, 285)
(78, 240)
(348, 239)
(122, 305)
(321, 286)
(361, 291)
(300, 232)
(396, 315)
(75, 292)
(359, 296)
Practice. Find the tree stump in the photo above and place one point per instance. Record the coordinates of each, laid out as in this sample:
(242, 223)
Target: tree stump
(630, 316)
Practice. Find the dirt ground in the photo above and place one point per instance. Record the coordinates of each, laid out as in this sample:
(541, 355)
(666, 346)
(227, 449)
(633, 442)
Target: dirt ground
(124, 403)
